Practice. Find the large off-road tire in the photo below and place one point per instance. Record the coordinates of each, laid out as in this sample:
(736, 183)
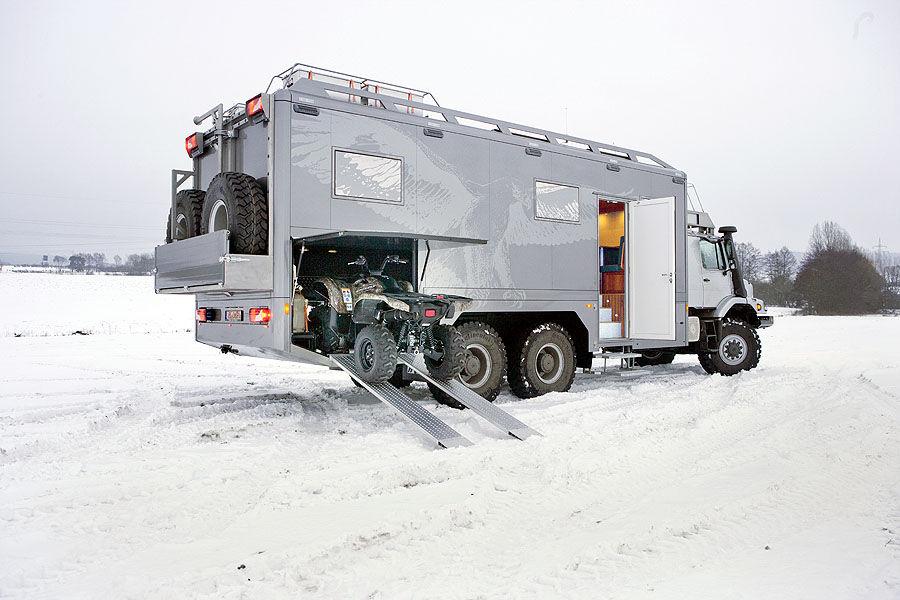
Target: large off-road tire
(649, 359)
(739, 350)
(188, 215)
(544, 361)
(236, 202)
(484, 365)
(375, 353)
(451, 344)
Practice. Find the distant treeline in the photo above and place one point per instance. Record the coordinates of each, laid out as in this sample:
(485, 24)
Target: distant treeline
(834, 276)
(87, 262)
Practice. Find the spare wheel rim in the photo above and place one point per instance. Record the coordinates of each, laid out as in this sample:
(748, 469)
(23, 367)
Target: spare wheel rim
(181, 231)
(218, 217)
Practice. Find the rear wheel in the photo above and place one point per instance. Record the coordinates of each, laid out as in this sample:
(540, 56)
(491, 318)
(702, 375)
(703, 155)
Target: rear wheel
(739, 350)
(544, 362)
(450, 343)
(188, 215)
(375, 354)
(236, 202)
(484, 363)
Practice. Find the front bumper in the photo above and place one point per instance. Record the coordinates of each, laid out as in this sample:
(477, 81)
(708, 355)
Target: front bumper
(766, 321)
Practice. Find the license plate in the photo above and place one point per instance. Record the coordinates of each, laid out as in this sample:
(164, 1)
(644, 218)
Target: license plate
(234, 314)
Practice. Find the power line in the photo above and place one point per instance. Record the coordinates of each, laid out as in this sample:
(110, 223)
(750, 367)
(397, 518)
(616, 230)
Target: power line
(78, 224)
(75, 198)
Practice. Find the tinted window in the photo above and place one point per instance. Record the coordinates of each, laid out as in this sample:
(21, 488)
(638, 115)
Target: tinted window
(555, 201)
(368, 177)
(709, 254)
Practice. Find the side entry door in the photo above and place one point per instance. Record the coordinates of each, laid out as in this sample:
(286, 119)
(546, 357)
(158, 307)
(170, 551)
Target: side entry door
(651, 268)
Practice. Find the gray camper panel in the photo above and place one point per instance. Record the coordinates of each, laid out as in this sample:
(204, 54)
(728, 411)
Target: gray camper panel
(355, 167)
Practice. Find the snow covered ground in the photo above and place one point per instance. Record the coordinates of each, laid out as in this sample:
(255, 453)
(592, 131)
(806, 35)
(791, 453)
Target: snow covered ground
(135, 463)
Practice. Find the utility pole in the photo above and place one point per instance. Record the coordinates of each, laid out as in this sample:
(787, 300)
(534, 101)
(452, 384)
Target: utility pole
(879, 256)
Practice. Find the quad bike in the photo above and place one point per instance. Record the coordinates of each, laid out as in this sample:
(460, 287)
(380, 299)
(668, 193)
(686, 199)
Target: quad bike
(378, 317)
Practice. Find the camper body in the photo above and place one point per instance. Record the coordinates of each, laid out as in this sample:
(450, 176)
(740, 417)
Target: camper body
(588, 248)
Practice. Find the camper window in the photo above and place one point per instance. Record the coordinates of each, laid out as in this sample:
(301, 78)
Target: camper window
(368, 177)
(555, 202)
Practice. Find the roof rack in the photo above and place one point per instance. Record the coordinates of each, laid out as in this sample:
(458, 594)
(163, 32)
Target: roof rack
(398, 98)
(299, 71)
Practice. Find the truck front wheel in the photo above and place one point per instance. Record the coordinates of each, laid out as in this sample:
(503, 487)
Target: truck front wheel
(739, 349)
(543, 362)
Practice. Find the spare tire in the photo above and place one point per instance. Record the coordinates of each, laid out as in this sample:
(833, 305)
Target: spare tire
(188, 214)
(236, 202)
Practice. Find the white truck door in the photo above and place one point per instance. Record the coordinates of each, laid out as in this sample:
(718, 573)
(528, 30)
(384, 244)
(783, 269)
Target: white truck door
(651, 268)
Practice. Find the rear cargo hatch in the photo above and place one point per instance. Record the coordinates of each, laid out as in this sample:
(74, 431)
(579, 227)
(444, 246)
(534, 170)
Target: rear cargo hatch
(204, 264)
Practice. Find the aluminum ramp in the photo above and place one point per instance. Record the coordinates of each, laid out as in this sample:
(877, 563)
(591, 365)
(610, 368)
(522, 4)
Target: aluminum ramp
(430, 425)
(488, 411)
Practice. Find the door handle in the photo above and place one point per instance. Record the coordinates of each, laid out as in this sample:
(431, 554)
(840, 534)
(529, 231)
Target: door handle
(706, 279)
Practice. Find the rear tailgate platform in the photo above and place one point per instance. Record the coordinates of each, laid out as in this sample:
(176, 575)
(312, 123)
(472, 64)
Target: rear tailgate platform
(204, 264)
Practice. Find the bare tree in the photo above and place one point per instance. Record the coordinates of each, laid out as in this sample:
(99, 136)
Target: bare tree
(828, 235)
(780, 265)
(59, 261)
(750, 259)
(99, 260)
(118, 260)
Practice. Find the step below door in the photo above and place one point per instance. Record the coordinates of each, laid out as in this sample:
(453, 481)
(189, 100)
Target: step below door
(651, 268)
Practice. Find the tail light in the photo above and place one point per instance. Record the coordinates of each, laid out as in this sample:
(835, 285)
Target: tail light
(201, 315)
(261, 315)
(254, 106)
(193, 144)
(430, 313)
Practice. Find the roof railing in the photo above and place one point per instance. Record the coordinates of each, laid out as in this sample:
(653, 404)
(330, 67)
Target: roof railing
(397, 98)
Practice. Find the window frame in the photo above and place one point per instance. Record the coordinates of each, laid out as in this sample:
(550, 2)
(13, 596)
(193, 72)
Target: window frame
(334, 173)
(720, 260)
(577, 189)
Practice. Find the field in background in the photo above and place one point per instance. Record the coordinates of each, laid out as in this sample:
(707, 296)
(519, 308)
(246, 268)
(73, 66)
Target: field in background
(137, 463)
(50, 304)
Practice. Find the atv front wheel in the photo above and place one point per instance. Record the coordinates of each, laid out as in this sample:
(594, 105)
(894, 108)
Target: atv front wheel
(375, 353)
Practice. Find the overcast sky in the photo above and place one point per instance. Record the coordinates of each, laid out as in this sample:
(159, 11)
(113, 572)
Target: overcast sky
(782, 114)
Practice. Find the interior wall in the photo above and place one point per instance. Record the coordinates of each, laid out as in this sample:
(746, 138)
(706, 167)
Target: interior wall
(611, 227)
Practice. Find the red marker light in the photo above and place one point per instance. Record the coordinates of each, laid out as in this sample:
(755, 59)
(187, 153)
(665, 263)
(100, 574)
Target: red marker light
(430, 313)
(191, 144)
(261, 315)
(254, 106)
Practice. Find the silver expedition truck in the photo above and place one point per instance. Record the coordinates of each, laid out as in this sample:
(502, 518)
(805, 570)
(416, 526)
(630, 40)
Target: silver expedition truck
(344, 221)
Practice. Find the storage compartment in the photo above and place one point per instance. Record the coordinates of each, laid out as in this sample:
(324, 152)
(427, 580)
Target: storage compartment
(204, 264)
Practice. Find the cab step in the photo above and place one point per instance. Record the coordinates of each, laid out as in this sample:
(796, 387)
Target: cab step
(488, 411)
(433, 428)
